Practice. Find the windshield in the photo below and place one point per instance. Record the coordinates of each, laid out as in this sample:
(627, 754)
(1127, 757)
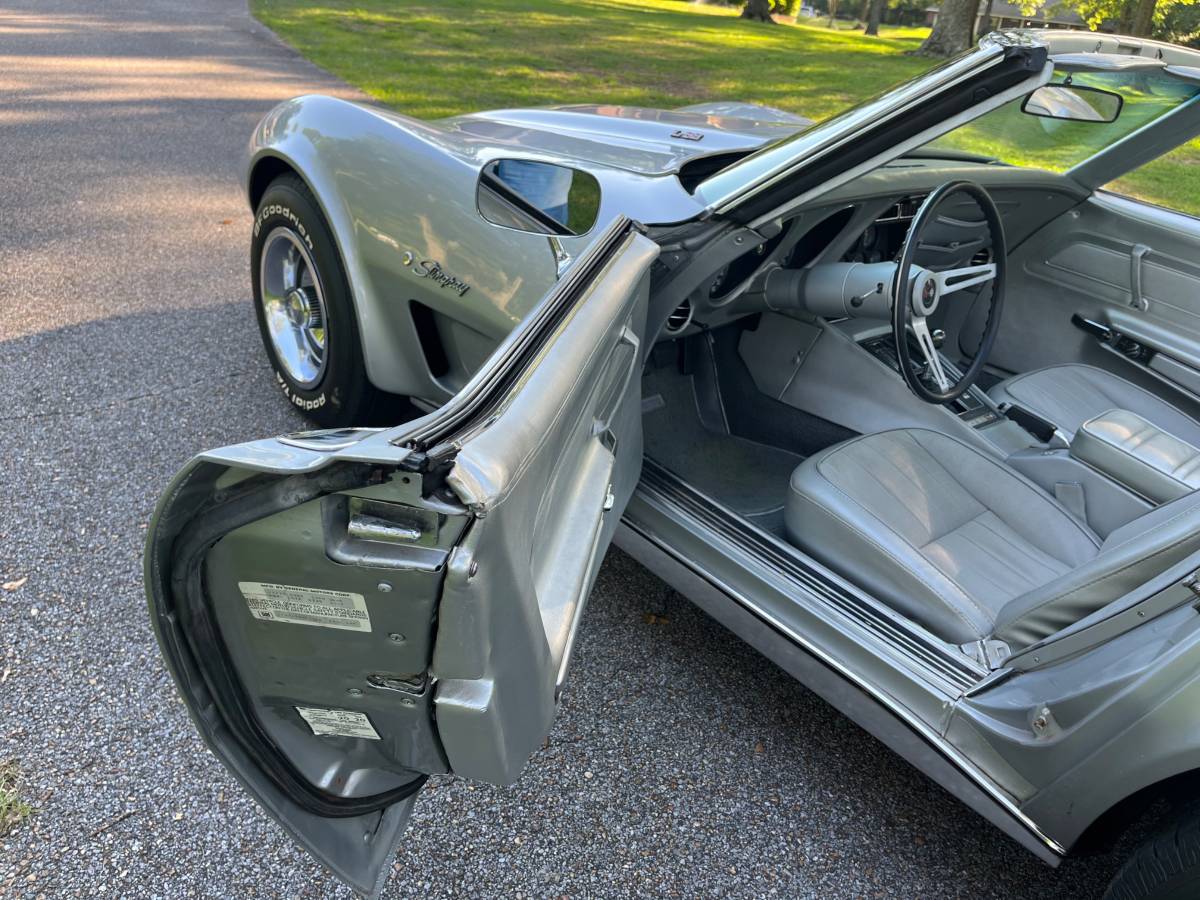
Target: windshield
(750, 176)
(1018, 138)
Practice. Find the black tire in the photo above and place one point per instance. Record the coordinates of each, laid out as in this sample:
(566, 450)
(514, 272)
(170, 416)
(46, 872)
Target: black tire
(341, 394)
(1165, 866)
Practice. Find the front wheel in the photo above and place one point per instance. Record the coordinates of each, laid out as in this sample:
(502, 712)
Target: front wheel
(305, 312)
(1165, 866)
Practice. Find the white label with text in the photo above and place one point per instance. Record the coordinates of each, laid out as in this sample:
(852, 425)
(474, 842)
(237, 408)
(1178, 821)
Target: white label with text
(339, 722)
(306, 606)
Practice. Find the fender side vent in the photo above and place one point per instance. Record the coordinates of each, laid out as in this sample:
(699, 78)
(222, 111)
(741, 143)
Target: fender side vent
(432, 348)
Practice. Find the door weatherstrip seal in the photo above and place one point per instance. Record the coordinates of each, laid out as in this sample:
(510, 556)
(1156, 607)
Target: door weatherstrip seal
(199, 650)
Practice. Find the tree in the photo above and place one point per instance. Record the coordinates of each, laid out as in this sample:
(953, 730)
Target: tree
(1141, 19)
(953, 30)
(1181, 25)
(874, 14)
(985, 20)
(758, 10)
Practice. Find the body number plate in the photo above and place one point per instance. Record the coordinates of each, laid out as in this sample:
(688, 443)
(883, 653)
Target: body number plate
(306, 606)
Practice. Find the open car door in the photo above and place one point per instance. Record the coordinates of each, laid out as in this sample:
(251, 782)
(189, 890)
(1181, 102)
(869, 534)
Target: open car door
(348, 612)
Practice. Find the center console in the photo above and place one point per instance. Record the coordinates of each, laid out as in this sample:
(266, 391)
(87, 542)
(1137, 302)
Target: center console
(847, 372)
(1113, 470)
(972, 408)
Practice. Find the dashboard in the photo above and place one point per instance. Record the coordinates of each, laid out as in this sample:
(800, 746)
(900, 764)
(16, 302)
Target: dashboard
(882, 240)
(867, 221)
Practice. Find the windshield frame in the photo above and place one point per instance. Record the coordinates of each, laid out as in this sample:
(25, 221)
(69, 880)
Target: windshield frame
(734, 192)
(764, 168)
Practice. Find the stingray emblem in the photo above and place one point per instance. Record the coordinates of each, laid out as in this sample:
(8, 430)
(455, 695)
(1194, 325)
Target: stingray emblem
(428, 268)
(688, 135)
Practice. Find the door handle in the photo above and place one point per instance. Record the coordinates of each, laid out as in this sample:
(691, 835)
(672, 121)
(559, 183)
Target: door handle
(624, 359)
(1137, 301)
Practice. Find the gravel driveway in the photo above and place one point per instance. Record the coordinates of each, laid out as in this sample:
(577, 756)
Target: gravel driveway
(682, 764)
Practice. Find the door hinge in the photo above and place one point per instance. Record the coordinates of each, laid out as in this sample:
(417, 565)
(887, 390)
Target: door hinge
(411, 685)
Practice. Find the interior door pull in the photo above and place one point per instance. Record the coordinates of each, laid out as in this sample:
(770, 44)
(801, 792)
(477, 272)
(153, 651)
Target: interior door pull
(1136, 300)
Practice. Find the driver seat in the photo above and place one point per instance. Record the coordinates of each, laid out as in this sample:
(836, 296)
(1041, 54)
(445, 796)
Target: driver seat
(962, 544)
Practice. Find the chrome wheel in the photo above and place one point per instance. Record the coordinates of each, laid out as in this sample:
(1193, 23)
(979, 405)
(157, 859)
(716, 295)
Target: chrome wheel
(293, 306)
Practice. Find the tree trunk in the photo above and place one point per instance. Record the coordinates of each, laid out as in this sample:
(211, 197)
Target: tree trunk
(1141, 22)
(833, 5)
(758, 10)
(985, 20)
(874, 14)
(953, 32)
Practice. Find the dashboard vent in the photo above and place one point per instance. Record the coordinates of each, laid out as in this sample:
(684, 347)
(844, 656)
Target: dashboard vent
(902, 211)
(680, 318)
(982, 256)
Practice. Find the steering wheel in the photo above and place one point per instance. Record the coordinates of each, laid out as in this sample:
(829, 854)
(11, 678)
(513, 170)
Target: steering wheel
(917, 294)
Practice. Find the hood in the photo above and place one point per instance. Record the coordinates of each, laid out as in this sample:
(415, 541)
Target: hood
(633, 138)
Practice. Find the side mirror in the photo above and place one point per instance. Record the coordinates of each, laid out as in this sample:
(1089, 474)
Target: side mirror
(538, 196)
(1074, 103)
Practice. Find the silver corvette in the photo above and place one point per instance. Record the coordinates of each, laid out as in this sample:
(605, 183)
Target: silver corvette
(907, 400)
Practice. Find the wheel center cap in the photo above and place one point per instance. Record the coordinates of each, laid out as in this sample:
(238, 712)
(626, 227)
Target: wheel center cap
(297, 307)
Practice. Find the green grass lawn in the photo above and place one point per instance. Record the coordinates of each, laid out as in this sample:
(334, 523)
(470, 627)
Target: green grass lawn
(431, 58)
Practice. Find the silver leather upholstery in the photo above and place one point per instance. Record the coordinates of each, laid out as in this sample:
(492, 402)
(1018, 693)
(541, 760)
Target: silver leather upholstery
(1159, 466)
(1068, 395)
(959, 542)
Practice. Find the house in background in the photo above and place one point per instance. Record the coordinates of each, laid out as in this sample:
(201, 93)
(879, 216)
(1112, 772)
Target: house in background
(1009, 15)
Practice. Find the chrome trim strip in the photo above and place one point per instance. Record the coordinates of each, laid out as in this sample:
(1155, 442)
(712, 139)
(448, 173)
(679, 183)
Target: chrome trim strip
(935, 740)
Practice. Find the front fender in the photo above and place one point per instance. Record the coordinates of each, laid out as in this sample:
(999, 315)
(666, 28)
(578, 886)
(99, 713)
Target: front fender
(391, 186)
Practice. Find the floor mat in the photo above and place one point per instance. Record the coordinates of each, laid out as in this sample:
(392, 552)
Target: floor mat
(748, 477)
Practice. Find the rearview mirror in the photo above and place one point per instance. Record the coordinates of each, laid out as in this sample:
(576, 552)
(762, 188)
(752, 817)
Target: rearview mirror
(538, 196)
(1073, 103)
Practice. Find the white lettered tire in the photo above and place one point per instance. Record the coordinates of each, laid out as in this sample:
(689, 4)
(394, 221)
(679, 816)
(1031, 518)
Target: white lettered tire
(305, 313)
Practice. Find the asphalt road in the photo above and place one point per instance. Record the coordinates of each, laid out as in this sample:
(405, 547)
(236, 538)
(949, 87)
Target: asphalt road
(682, 763)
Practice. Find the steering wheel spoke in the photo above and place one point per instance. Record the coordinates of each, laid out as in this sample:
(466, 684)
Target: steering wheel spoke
(918, 290)
(920, 329)
(952, 280)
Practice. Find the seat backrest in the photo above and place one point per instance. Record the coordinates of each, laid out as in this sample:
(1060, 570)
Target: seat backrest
(1129, 557)
(942, 532)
